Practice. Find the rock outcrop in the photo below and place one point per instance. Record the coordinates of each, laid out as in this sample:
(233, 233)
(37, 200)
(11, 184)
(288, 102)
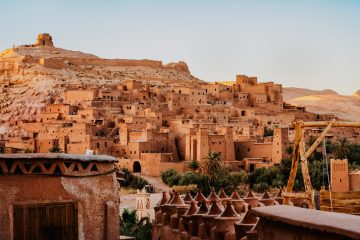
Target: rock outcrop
(32, 75)
(325, 102)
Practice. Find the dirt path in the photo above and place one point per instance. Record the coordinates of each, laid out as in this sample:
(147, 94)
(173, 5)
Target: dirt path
(156, 182)
(129, 200)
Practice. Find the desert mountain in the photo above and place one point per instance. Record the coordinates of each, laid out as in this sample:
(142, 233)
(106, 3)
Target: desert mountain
(356, 94)
(36, 74)
(326, 101)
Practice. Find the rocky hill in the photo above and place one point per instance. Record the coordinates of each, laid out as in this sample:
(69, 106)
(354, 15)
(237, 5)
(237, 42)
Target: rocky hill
(32, 75)
(326, 101)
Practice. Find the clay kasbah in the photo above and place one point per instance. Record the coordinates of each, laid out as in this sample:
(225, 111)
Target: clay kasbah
(95, 148)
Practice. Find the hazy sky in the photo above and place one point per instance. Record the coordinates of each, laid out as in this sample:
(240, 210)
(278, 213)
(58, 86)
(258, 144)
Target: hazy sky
(312, 44)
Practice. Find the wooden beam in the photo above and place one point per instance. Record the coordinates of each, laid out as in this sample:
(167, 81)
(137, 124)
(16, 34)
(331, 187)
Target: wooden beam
(305, 167)
(295, 160)
(295, 195)
(304, 162)
(318, 140)
(305, 171)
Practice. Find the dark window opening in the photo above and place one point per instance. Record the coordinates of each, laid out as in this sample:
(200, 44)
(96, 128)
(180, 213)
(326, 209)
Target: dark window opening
(136, 167)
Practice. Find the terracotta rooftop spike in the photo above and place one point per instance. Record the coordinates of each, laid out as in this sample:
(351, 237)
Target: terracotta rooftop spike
(266, 195)
(192, 209)
(200, 197)
(250, 194)
(203, 209)
(164, 199)
(213, 196)
(215, 209)
(177, 200)
(235, 196)
(229, 211)
(222, 194)
(188, 197)
(278, 194)
(172, 195)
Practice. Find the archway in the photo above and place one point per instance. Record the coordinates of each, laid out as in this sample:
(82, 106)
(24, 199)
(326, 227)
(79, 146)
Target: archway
(136, 167)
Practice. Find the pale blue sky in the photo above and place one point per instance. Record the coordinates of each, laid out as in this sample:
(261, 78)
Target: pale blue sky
(312, 44)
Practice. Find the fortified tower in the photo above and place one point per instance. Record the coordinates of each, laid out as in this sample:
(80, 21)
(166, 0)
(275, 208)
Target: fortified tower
(44, 40)
(339, 172)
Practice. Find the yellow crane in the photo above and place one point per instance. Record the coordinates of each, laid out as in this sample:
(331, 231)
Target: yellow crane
(301, 154)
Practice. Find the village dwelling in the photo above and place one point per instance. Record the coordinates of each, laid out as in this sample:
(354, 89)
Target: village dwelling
(58, 196)
(145, 123)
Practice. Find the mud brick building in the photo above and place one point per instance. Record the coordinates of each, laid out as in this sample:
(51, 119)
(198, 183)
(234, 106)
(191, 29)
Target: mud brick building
(58, 196)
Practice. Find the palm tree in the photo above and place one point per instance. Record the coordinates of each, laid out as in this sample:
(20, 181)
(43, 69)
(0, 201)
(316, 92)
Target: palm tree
(194, 165)
(128, 222)
(342, 148)
(213, 166)
(132, 227)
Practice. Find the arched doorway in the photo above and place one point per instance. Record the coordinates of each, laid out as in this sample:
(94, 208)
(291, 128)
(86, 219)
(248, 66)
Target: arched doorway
(136, 167)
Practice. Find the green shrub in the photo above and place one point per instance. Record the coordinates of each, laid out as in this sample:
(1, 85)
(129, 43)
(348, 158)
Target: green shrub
(143, 231)
(132, 181)
(193, 165)
(200, 180)
(55, 150)
(268, 132)
(170, 177)
(185, 188)
(354, 155)
(230, 181)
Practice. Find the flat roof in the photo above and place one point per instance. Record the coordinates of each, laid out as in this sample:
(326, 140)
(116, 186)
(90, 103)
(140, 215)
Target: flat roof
(340, 223)
(65, 156)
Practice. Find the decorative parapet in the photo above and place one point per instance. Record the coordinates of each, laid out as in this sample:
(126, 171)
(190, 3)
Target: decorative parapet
(59, 164)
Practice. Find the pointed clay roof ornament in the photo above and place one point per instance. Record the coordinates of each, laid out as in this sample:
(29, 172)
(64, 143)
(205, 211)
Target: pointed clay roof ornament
(235, 196)
(188, 198)
(213, 196)
(172, 195)
(199, 197)
(192, 209)
(165, 198)
(279, 194)
(203, 209)
(215, 209)
(265, 196)
(177, 200)
(279, 198)
(222, 194)
(229, 212)
(250, 194)
(266, 199)
(251, 199)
